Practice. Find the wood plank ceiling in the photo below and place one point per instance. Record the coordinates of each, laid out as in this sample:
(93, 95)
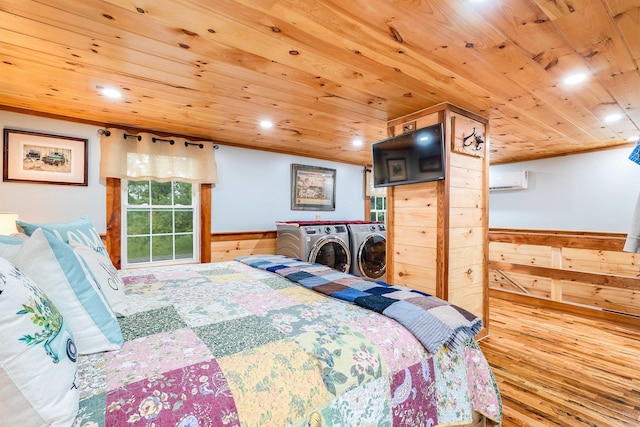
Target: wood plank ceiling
(326, 72)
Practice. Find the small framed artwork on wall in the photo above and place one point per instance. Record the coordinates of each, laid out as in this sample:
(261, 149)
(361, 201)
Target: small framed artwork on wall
(313, 188)
(397, 170)
(44, 158)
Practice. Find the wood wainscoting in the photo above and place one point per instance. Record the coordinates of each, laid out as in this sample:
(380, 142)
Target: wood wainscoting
(579, 272)
(227, 246)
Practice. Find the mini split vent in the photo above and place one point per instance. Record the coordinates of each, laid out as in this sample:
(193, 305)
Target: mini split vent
(508, 181)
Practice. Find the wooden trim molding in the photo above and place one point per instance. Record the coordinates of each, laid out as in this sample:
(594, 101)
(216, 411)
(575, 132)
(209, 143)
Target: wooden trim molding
(205, 222)
(242, 235)
(608, 280)
(566, 239)
(565, 307)
(114, 220)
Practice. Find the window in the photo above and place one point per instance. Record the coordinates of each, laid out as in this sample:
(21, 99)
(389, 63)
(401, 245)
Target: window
(159, 222)
(378, 208)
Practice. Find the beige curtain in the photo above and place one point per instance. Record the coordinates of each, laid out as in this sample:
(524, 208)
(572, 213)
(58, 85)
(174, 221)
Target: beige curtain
(130, 158)
(369, 189)
(632, 243)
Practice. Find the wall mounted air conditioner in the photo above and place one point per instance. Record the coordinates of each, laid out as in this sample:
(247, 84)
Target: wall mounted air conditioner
(508, 181)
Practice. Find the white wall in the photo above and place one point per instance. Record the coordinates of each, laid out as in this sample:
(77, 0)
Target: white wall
(584, 192)
(253, 193)
(258, 185)
(55, 203)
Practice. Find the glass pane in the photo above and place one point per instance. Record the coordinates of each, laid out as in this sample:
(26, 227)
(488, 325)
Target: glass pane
(161, 193)
(379, 203)
(184, 246)
(138, 221)
(138, 249)
(381, 216)
(184, 221)
(162, 222)
(373, 216)
(138, 192)
(162, 248)
(333, 255)
(373, 257)
(182, 193)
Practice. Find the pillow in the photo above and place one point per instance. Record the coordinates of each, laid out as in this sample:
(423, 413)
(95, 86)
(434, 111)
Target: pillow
(58, 271)
(10, 239)
(107, 277)
(37, 356)
(81, 230)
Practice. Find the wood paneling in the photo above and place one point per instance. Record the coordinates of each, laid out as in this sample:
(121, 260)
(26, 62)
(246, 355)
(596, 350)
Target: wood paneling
(439, 229)
(227, 246)
(328, 71)
(205, 222)
(114, 220)
(581, 278)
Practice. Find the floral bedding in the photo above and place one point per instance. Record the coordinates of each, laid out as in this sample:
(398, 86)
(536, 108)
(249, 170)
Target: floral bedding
(226, 344)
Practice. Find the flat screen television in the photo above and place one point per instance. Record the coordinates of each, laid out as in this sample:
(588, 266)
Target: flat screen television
(416, 156)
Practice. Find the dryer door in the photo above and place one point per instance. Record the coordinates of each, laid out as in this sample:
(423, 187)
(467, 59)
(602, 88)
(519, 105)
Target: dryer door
(332, 252)
(372, 256)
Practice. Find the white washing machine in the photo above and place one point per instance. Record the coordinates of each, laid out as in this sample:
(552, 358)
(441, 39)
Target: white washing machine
(324, 243)
(368, 250)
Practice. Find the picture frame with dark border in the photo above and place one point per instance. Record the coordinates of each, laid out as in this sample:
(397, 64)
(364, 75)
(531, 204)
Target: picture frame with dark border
(42, 158)
(397, 169)
(313, 188)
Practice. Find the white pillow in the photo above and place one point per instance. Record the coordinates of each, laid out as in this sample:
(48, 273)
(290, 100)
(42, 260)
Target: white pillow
(107, 277)
(37, 355)
(60, 273)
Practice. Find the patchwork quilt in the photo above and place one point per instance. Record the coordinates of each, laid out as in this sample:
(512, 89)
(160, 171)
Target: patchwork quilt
(432, 320)
(227, 344)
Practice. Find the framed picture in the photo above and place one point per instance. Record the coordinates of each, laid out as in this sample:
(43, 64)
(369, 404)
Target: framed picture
(44, 158)
(313, 188)
(397, 170)
(430, 164)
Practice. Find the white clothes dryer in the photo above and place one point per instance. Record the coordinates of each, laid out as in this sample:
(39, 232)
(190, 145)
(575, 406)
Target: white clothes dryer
(324, 243)
(368, 250)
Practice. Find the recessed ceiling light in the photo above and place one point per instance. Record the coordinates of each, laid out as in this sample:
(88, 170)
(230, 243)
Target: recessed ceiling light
(110, 92)
(266, 124)
(574, 79)
(613, 117)
(357, 142)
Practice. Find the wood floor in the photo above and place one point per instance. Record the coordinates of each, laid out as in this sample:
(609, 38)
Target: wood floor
(556, 369)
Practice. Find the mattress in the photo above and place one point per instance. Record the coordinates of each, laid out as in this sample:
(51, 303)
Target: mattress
(227, 344)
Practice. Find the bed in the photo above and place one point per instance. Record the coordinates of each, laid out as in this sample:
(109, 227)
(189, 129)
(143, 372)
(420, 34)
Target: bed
(231, 345)
(241, 344)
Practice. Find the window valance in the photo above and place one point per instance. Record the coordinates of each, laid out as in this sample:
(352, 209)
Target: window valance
(138, 156)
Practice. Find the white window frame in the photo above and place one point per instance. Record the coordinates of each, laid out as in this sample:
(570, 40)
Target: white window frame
(372, 208)
(195, 193)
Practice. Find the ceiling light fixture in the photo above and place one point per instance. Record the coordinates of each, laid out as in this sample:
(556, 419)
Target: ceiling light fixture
(266, 124)
(357, 142)
(110, 93)
(574, 79)
(613, 117)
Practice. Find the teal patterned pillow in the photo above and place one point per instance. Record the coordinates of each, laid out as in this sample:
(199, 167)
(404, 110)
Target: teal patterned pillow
(62, 275)
(37, 356)
(80, 230)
